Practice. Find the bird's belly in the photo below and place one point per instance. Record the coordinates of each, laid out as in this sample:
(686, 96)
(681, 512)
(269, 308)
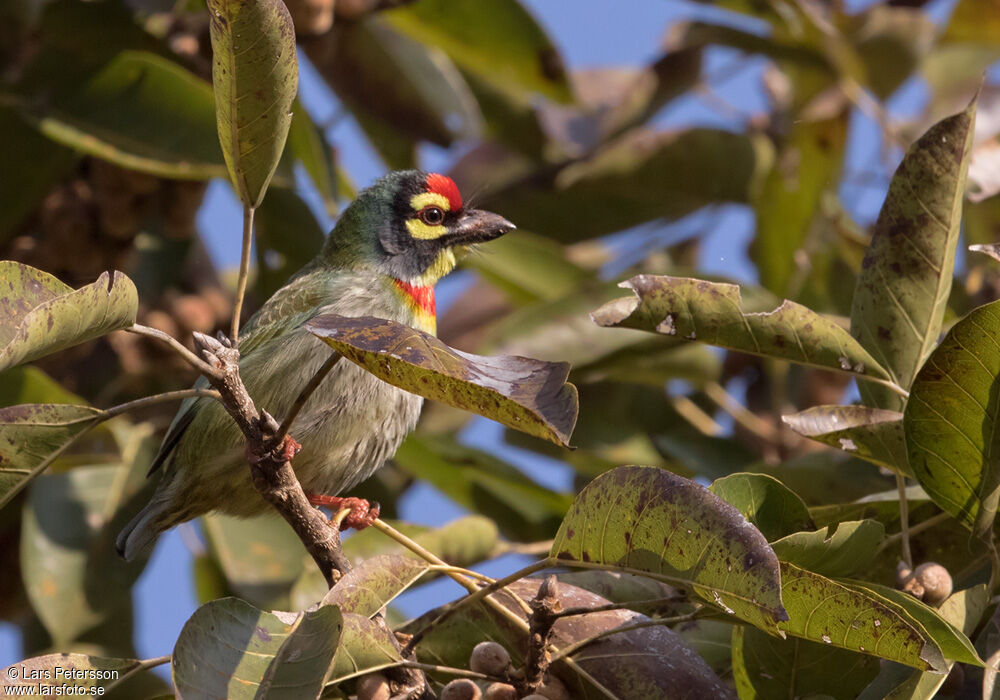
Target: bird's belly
(349, 428)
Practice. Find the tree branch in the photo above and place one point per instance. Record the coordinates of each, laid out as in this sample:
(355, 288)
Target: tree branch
(545, 609)
(272, 475)
(192, 359)
(270, 466)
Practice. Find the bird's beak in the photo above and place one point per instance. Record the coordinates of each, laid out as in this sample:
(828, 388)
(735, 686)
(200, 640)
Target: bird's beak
(477, 226)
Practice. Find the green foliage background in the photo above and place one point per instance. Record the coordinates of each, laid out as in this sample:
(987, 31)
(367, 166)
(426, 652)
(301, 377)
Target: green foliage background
(108, 134)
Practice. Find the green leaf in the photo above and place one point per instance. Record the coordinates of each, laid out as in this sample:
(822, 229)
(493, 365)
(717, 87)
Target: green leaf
(400, 91)
(962, 610)
(902, 291)
(364, 645)
(261, 557)
(40, 672)
(478, 481)
(954, 645)
(972, 22)
(300, 665)
(642, 176)
(497, 39)
(308, 144)
(33, 435)
(523, 394)
(20, 385)
(255, 75)
(230, 649)
(287, 237)
(648, 521)
(374, 583)
(39, 162)
(951, 419)
(529, 267)
(140, 111)
(806, 165)
(872, 434)
(854, 618)
(39, 315)
(714, 313)
(836, 550)
(768, 667)
(772, 507)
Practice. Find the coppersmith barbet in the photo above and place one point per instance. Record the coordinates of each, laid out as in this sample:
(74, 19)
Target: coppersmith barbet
(382, 259)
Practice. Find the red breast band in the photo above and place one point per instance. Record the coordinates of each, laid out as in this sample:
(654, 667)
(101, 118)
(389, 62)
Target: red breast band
(423, 297)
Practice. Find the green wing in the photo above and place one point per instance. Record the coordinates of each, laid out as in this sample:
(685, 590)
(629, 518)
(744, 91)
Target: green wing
(288, 308)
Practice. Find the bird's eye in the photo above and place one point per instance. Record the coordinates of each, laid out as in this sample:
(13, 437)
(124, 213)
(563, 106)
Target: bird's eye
(432, 216)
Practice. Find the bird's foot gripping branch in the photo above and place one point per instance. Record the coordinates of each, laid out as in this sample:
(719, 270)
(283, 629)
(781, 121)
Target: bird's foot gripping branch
(270, 462)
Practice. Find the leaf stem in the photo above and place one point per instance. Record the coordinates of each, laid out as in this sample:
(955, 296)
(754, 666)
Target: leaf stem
(144, 665)
(160, 398)
(904, 520)
(192, 359)
(304, 395)
(892, 386)
(241, 283)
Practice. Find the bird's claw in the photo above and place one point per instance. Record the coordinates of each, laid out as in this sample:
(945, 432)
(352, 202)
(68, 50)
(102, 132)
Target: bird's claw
(362, 513)
(284, 452)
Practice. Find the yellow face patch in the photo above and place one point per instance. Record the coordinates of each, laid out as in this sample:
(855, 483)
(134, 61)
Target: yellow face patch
(416, 227)
(442, 265)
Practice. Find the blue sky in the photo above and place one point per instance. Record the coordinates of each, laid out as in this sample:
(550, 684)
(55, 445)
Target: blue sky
(589, 33)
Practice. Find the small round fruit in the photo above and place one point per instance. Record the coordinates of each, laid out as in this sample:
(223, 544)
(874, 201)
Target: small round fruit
(500, 691)
(489, 658)
(935, 580)
(461, 689)
(374, 686)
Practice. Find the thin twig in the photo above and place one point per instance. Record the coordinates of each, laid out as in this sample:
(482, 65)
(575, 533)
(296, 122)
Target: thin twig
(161, 398)
(192, 359)
(692, 413)
(461, 672)
(479, 594)
(914, 530)
(241, 283)
(143, 666)
(304, 395)
(728, 403)
(530, 549)
(629, 605)
(904, 520)
(655, 622)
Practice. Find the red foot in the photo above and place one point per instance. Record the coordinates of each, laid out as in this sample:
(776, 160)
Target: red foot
(362, 512)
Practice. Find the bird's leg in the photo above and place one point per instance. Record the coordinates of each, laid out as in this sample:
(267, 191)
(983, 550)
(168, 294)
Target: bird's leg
(362, 512)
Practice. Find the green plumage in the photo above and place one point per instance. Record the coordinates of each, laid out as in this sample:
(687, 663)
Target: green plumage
(353, 422)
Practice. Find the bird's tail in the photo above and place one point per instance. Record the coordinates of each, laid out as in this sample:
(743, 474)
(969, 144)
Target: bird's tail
(142, 530)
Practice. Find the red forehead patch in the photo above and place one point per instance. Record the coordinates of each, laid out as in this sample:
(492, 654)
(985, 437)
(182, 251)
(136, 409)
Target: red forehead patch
(446, 187)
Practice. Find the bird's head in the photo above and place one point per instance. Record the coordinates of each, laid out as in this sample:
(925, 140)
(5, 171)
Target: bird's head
(409, 223)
